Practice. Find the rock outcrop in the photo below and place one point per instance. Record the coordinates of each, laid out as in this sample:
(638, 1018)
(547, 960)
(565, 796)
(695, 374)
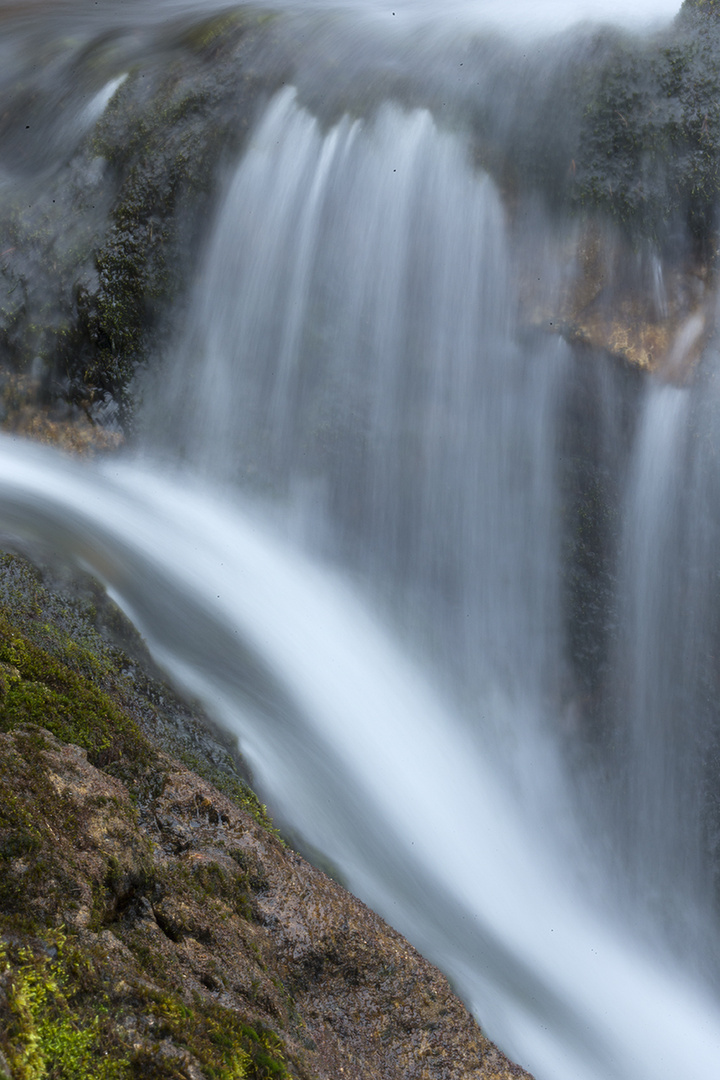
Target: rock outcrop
(102, 223)
(97, 237)
(170, 935)
(656, 315)
(154, 926)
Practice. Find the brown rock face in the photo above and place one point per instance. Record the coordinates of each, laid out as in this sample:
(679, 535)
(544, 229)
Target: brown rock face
(192, 925)
(611, 304)
(654, 313)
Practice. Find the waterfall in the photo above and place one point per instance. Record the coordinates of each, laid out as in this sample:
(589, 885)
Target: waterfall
(350, 347)
(358, 752)
(449, 577)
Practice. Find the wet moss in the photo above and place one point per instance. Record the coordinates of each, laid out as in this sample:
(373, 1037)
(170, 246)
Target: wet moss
(210, 34)
(86, 647)
(63, 629)
(213, 889)
(649, 144)
(42, 821)
(217, 1037)
(701, 7)
(164, 146)
(65, 998)
(231, 785)
(41, 690)
(96, 249)
(49, 1031)
(64, 1018)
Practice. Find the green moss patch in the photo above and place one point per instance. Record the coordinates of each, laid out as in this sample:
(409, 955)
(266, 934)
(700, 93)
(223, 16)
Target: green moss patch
(95, 920)
(35, 688)
(54, 1026)
(84, 676)
(64, 1015)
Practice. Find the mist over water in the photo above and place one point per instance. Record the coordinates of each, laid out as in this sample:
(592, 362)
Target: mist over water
(540, 15)
(354, 529)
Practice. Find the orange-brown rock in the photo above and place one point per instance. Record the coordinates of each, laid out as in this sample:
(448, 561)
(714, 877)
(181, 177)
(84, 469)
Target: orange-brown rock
(654, 314)
(25, 411)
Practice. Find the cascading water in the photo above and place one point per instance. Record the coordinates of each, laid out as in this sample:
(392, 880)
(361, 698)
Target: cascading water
(363, 351)
(516, 770)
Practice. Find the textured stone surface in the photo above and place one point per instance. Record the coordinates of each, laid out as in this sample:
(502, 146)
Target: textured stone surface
(172, 893)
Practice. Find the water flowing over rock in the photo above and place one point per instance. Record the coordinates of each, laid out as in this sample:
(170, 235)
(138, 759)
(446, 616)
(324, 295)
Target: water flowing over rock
(407, 323)
(133, 154)
(134, 889)
(189, 915)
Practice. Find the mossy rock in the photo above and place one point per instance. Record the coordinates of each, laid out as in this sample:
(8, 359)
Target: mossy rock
(702, 7)
(48, 693)
(72, 663)
(650, 144)
(82, 304)
(152, 925)
(175, 938)
(64, 1019)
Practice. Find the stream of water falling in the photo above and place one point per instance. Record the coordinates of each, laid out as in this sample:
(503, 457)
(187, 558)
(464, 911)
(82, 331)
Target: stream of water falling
(347, 534)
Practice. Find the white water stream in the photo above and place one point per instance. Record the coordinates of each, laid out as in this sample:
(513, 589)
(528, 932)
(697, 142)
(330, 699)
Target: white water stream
(350, 535)
(357, 751)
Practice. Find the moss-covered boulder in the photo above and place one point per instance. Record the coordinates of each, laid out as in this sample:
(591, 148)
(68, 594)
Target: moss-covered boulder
(71, 662)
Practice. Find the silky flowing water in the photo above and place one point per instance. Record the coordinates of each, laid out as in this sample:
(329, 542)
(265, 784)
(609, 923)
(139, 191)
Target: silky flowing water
(348, 532)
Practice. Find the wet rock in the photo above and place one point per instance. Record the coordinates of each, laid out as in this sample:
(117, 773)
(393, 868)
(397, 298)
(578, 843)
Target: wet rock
(230, 931)
(656, 314)
(152, 925)
(97, 239)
